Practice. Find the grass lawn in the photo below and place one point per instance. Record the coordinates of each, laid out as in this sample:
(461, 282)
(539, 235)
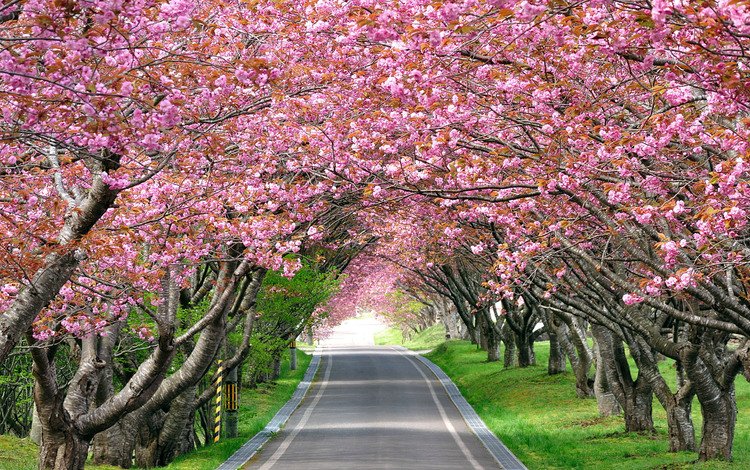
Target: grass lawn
(426, 339)
(542, 421)
(257, 407)
(17, 454)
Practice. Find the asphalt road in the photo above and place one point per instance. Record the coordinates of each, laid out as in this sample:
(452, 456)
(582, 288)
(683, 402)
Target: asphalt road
(373, 408)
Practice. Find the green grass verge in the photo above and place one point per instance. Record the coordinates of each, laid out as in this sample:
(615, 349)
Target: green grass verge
(17, 454)
(425, 339)
(546, 426)
(257, 407)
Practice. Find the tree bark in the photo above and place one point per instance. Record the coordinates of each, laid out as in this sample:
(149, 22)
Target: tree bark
(677, 405)
(448, 317)
(163, 444)
(634, 396)
(719, 420)
(521, 321)
(490, 341)
(509, 356)
(35, 435)
(525, 347)
(120, 442)
(680, 426)
(581, 356)
(556, 363)
(605, 399)
(718, 408)
(71, 418)
(106, 388)
(493, 346)
(63, 446)
(276, 367)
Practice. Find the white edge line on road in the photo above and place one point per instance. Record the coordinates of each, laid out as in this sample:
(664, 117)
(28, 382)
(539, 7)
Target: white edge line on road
(251, 447)
(306, 416)
(443, 414)
(502, 455)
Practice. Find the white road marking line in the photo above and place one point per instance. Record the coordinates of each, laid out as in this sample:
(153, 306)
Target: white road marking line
(444, 415)
(305, 417)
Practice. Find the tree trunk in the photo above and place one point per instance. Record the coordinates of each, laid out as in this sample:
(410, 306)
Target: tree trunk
(680, 427)
(605, 399)
(490, 341)
(63, 451)
(634, 396)
(677, 405)
(509, 357)
(309, 334)
(556, 363)
(147, 442)
(638, 408)
(718, 408)
(186, 442)
(450, 319)
(525, 346)
(474, 333)
(482, 332)
(581, 358)
(35, 435)
(62, 447)
(463, 332)
(276, 373)
(118, 444)
(493, 346)
(106, 389)
(163, 443)
(719, 419)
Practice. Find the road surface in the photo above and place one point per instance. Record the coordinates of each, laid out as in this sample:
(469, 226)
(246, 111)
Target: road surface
(373, 407)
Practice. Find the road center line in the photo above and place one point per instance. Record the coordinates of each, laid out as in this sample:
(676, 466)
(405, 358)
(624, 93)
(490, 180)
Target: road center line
(306, 416)
(444, 415)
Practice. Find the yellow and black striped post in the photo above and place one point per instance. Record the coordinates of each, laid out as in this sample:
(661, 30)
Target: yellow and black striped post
(217, 418)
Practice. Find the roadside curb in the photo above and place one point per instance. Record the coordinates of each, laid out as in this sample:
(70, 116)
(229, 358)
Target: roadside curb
(251, 447)
(495, 446)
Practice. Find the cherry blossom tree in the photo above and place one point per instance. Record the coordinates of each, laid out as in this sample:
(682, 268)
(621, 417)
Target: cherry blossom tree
(575, 162)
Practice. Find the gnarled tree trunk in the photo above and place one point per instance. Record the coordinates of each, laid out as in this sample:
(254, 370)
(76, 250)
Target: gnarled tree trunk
(163, 441)
(118, 443)
(556, 333)
(525, 347)
(581, 358)
(718, 408)
(490, 341)
(677, 405)
(71, 418)
(605, 398)
(508, 338)
(634, 396)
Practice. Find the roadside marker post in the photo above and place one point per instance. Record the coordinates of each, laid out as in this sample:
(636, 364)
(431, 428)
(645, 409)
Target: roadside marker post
(231, 408)
(217, 416)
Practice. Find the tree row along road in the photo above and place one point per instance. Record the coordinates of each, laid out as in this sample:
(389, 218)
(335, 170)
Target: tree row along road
(374, 407)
